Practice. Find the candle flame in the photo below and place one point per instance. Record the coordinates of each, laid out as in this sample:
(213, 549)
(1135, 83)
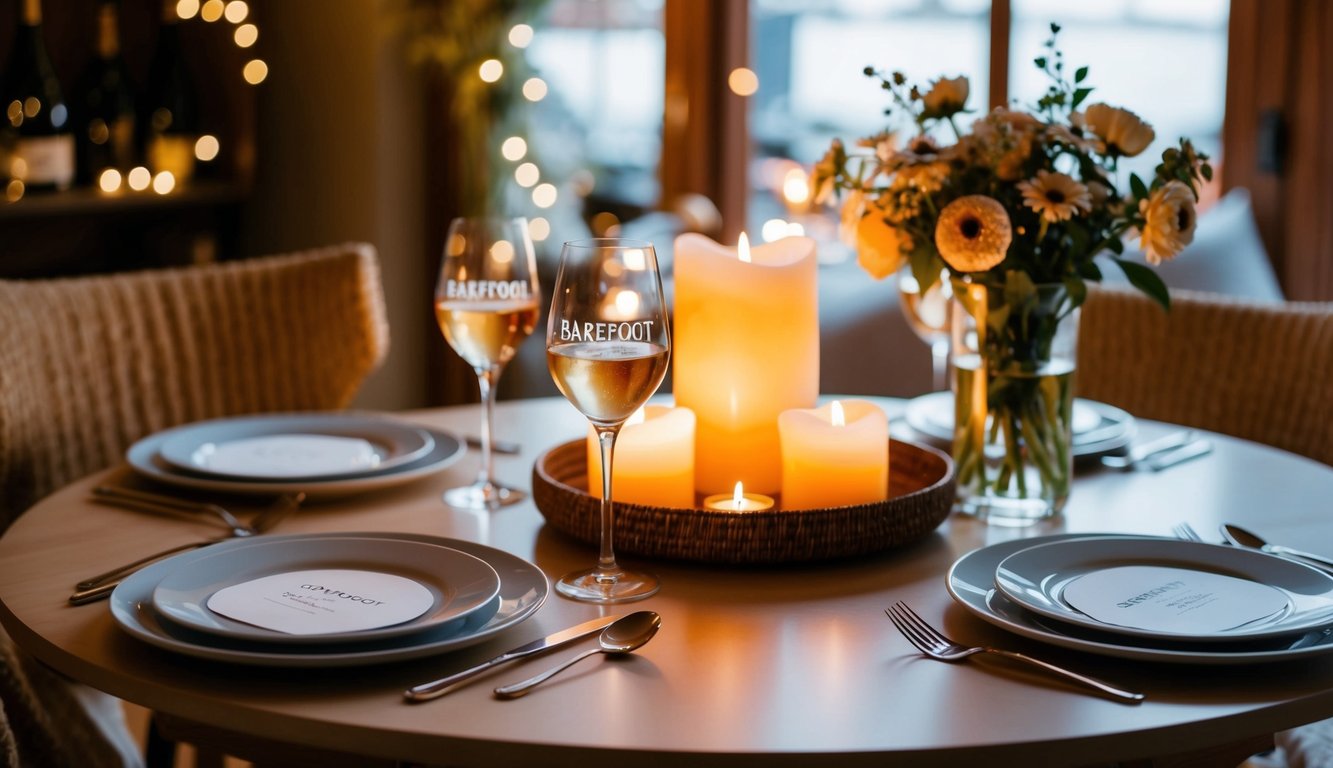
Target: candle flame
(796, 187)
(638, 417)
(743, 248)
(839, 418)
(738, 498)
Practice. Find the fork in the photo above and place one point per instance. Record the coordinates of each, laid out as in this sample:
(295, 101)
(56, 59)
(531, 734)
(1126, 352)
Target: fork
(934, 644)
(146, 501)
(1186, 531)
(100, 586)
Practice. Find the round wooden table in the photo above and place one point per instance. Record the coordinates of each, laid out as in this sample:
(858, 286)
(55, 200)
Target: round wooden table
(754, 666)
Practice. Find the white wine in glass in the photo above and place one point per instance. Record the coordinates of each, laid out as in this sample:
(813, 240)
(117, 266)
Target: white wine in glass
(607, 345)
(486, 302)
(928, 315)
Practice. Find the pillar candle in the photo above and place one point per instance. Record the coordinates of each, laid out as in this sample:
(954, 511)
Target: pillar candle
(654, 459)
(833, 462)
(746, 349)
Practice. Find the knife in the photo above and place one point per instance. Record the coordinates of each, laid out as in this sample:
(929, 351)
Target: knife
(437, 688)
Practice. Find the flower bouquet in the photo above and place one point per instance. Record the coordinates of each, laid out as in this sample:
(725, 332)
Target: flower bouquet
(1013, 211)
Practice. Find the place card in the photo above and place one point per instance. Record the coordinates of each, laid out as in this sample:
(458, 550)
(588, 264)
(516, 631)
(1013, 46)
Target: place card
(1175, 600)
(320, 602)
(287, 456)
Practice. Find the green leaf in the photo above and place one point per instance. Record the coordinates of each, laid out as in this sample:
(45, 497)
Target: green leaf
(1040, 61)
(926, 268)
(1089, 269)
(1077, 290)
(1080, 74)
(1137, 187)
(1207, 171)
(1079, 95)
(1146, 280)
(1019, 290)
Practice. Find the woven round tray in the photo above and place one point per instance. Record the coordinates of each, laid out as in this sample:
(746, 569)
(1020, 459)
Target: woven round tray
(921, 493)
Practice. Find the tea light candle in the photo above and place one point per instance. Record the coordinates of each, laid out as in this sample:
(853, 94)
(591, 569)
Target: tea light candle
(738, 501)
(746, 349)
(654, 459)
(834, 456)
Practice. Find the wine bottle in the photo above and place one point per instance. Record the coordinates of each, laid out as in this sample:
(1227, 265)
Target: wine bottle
(170, 114)
(39, 138)
(105, 106)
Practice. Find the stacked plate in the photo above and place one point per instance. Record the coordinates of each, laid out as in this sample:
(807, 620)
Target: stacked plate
(470, 592)
(316, 453)
(1097, 427)
(1043, 588)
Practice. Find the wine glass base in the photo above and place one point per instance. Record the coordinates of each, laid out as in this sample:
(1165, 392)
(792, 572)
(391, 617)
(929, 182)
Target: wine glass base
(483, 496)
(623, 587)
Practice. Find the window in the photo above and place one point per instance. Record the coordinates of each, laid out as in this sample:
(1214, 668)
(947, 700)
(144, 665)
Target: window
(809, 56)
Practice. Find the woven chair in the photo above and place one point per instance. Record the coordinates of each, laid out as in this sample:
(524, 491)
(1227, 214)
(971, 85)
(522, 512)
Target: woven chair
(1262, 372)
(89, 365)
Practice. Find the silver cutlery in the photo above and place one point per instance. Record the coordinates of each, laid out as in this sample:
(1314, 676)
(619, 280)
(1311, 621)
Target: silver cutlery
(934, 644)
(102, 585)
(498, 446)
(1140, 453)
(437, 688)
(626, 635)
(1186, 531)
(1241, 537)
(147, 501)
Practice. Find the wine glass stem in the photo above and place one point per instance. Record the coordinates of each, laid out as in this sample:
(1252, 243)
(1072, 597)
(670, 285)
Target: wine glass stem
(486, 383)
(939, 355)
(607, 570)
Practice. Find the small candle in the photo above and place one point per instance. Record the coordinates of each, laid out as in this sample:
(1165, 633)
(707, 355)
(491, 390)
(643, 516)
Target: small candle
(738, 501)
(654, 459)
(834, 456)
(746, 348)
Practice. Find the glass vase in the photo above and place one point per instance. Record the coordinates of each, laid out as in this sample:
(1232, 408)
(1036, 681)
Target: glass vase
(1013, 346)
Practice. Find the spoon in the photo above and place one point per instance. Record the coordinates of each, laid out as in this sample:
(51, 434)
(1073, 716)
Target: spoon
(1243, 538)
(622, 636)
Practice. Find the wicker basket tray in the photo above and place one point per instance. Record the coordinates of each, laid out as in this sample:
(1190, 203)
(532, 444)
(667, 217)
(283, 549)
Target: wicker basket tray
(921, 493)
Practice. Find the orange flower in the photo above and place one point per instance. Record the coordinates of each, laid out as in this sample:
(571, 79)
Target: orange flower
(973, 233)
(1169, 222)
(880, 246)
(1122, 132)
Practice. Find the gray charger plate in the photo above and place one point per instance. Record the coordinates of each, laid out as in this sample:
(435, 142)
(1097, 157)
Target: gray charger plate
(393, 442)
(459, 583)
(523, 589)
(1098, 428)
(144, 458)
(971, 582)
(1035, 577)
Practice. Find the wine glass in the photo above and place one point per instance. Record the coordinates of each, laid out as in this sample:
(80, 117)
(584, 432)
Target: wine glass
(607, 345)
(928, 315)
(486, 302)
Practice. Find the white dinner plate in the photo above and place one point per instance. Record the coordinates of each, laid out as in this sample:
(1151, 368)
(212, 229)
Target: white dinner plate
(459, 583)
(1097, 427)
(523, 589)
(294, 446)
(145, 458)
(1037, 576)
(971, 582)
